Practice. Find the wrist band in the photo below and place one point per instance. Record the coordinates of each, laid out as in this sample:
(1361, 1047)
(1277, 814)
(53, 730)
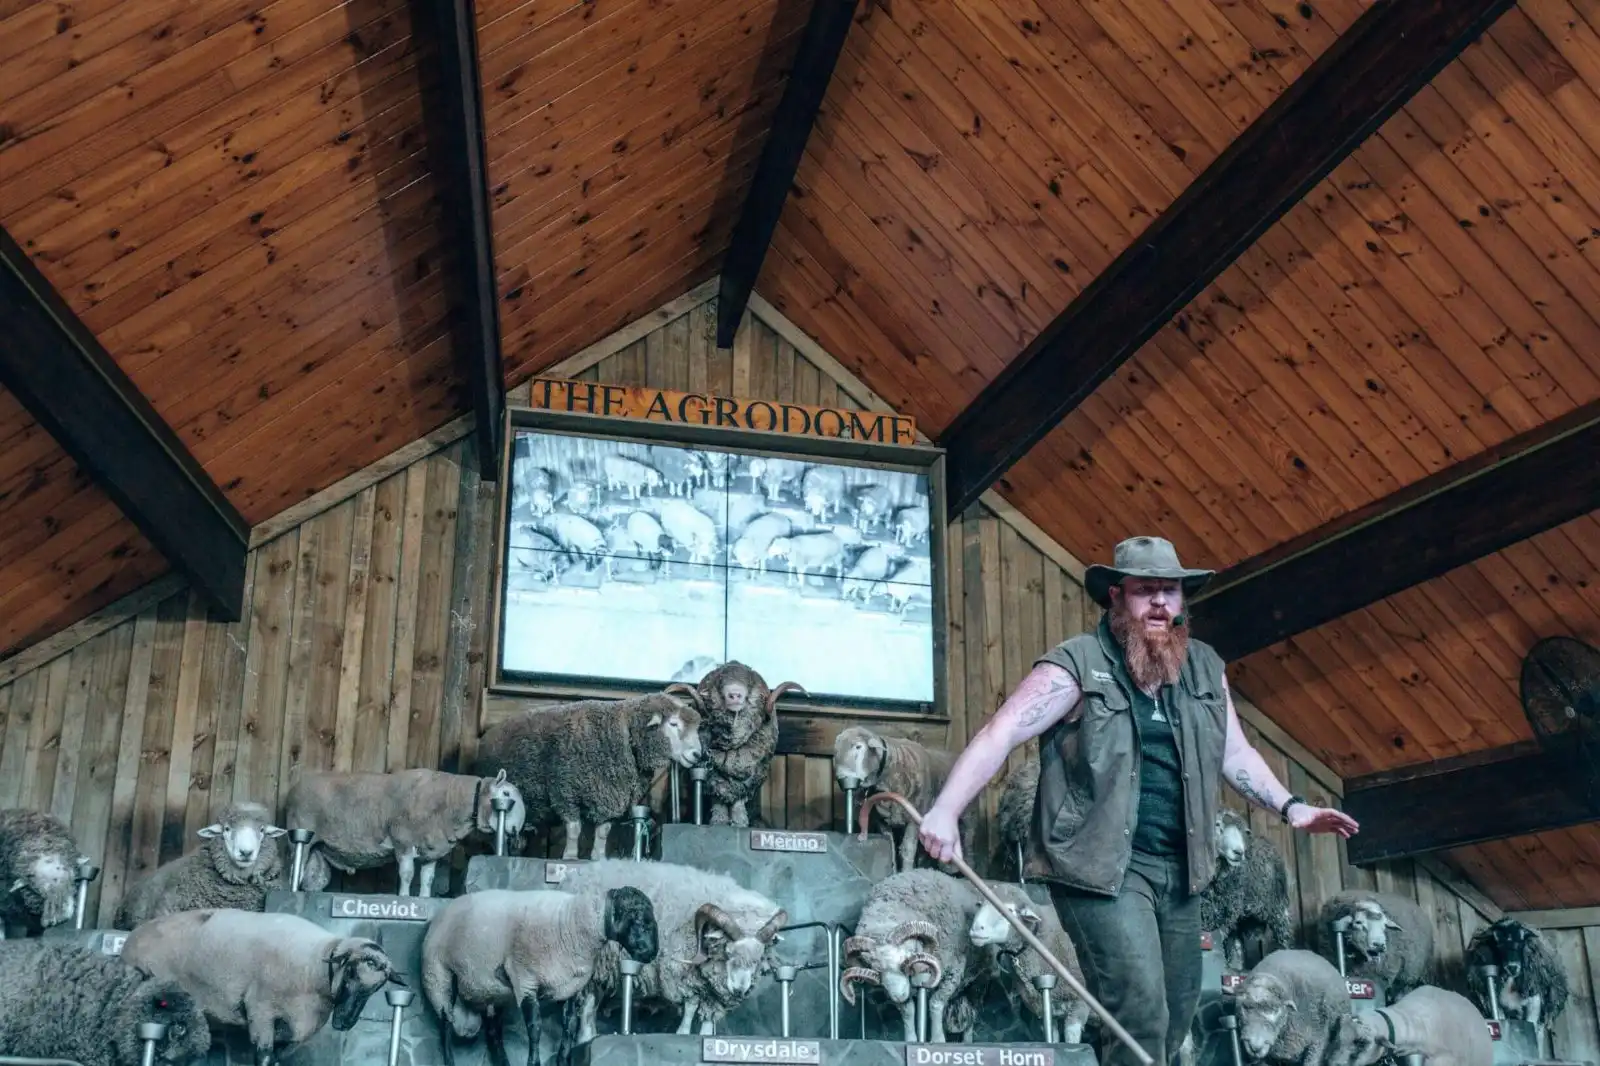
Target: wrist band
(1283, 812)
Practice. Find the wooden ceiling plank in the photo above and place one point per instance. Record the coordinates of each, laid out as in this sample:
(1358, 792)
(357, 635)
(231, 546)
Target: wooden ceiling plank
(531, 34)
(58, 494)
(1548, 572)
(1314, 664)
(58, 43)
(1486, 603)
(70, 384)
(1479, 871)
(981, 456)
(1578, 44)
(25, 26)
(103, 580)
(1239, 99)
(504, 24)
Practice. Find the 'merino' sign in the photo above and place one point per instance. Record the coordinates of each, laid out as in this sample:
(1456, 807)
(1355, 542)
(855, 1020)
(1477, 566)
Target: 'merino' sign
(705, 409)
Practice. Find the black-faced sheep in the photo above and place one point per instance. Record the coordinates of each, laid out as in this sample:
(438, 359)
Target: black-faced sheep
(1441, 1026)
(916, 923)
(1292, 1008)
(1386, 938)
(1250, 891)
(1000, 940)
(363, 820)
(279, 976)
(874, 763)
(739, 734)
(240, 860)
(487, 954)
(1532, 981)
(590, 761)
(38, 865)
(61, 1001)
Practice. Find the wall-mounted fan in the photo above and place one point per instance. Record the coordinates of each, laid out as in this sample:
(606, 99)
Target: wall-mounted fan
(1561, 697)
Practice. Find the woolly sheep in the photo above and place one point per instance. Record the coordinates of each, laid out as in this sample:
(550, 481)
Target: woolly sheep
(866, 760)
(1014, 817)
(491, 952)
(1250, 890)
(911, 921)
(1532, 981)
(38, 861)
(739, 731)
(240, 861)
(1442, 1026)
(592, 760)
(62, 1001)
(715, 940)
(1386, 938)
(1292, 1008)
(279, 975)
(991, 931)
(363, 820)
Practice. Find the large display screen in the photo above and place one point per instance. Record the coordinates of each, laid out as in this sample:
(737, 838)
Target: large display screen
(650, 563)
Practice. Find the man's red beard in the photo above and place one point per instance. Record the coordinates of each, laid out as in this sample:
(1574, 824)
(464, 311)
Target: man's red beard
(1154, 657)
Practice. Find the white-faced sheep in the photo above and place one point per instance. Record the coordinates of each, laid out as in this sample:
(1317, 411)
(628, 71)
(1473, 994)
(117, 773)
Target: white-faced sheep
(1292, 1008)
(240, 860)
(874, 763)
(590, 761)
(62, 1001)
(1386, 938)
(363, 820)
(279, 976)
(715, 940)
(1250, 891)
(1441, 1026)
(1000, 939)
(739, 734)
(489, 954)
(916, 923)
(38, 865)
(1532, 982)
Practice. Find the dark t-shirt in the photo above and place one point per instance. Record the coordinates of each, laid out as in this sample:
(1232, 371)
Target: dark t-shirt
(1160, 827)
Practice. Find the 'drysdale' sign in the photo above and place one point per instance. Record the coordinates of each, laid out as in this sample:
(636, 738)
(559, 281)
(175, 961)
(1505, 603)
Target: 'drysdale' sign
(748, 1049)
(705, 409)
(384, 908)
(784, 840)
(976, 1055)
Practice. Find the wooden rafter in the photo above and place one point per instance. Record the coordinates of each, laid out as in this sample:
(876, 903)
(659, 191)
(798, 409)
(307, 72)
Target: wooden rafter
(1516, 490)
(818, 54)
(455, 133)
(1391, 52)
(71, 385)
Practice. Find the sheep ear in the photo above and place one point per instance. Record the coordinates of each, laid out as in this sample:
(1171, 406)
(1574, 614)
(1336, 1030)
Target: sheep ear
(877, 744)
(212, 830)
(17, 885)
(655, 720)
(1390, 923)
(1030, 918)
(1342, 925)
(274, 831)
(500, 778)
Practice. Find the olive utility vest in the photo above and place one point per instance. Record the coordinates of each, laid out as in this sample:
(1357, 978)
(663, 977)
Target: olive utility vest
(1081, 834)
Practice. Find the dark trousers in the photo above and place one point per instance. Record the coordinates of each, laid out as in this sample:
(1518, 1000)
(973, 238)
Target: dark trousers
(1140, 954)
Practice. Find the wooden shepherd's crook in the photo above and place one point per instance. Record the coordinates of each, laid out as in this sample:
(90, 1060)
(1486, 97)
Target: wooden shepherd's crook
(1016, 923)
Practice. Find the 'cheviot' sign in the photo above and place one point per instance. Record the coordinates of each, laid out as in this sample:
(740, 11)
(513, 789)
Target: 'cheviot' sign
(754, 1049)
(384, 908)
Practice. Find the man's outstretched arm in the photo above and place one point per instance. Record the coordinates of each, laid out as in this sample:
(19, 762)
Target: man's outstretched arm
(1251, 777)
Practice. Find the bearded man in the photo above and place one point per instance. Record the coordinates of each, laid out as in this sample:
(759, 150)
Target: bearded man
(1138, 730)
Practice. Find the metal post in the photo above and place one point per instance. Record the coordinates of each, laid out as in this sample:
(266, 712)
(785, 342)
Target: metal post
(87, 871)
(1490, 972)
(786, 975)
(1338, 946)
(835, 971)
(1230, 1025)
(301, 839)
(922, 1014)
(698, 775)
(150, 1034)
(641, 829)
(1022, 878)
(399, 999)
(850, 810)
(675, 785)
(1044, 982)
(501, 805)
(1412, 1059)
(630, 969)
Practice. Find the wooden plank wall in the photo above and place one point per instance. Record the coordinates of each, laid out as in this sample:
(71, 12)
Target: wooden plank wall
(364, 643)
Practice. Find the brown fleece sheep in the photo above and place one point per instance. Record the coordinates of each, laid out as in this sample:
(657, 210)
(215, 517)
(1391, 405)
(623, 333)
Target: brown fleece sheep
(739, 728)
(874, 763)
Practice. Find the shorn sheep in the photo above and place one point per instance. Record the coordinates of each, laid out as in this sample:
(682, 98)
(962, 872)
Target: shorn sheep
(592, 760)
(915, 923)
(239, 862)
(739, 732)
(992, 932)
(38, 863)
(1386, 938)
(1442, 1026)
(61, 1001)
(867, 760)
(1292, 1008)
(363, 820)
(279, 976)
(715, 940)
(1250, 891)
(1532, 981)
(487, 953)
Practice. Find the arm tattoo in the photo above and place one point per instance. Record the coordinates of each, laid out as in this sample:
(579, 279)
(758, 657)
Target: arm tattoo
(1040, 703)
(1241, 780)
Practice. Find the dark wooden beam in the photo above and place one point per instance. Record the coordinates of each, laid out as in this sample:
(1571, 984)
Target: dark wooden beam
(1453, 802)
(1391, 51)
(453, 102)
(1515, 490)
(64, 378)
(796, 113)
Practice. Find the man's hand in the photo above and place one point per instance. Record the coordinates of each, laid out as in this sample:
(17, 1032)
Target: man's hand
(1309, 819)
(940, 834)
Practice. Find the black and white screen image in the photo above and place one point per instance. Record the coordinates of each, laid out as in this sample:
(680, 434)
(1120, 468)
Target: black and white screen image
(652, 563)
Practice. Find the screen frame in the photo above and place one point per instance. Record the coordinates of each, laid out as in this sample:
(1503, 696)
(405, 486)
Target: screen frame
(924, 459)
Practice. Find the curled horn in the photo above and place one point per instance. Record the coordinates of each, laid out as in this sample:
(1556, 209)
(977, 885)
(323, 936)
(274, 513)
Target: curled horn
(848, 979)
(688, 692)
(858, 945)
(770, 930)
(776, 694)
(922, 960)
(715, 915)
(923, 930)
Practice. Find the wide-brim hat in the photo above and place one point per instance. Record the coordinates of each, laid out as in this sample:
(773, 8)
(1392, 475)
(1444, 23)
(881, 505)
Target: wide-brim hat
(1142, 557)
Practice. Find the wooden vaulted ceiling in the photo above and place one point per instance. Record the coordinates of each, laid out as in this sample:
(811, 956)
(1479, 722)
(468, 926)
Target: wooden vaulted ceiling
(237, 199)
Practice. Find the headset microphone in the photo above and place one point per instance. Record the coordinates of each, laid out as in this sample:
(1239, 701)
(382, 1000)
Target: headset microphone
(1178, 619)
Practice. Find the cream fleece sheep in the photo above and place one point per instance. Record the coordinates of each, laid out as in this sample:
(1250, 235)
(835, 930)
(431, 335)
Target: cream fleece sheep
(999, 939)
(867, 760)
(1442, 1026)
(1292, 1008)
